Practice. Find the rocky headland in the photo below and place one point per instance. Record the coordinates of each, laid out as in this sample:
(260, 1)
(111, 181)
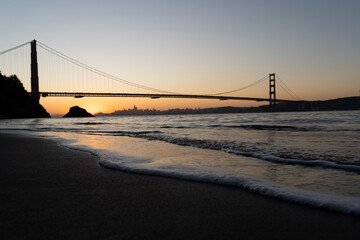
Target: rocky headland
(16, 102)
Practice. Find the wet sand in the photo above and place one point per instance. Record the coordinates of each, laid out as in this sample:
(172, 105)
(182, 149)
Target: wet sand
(51, 192)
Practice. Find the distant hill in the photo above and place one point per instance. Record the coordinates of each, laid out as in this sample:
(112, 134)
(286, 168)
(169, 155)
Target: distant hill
(339, 104)
(348, 103)
(15, 102)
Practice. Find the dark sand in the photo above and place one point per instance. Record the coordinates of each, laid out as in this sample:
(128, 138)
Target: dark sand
(50, 192)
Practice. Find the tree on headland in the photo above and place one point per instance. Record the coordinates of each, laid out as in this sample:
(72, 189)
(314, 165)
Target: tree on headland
(15, 101)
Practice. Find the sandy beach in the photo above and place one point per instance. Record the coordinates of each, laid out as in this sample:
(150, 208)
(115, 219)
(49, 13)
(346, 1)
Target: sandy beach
(51, 192)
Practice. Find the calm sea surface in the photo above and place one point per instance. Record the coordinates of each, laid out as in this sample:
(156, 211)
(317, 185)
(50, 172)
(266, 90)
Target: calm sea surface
(311, 158)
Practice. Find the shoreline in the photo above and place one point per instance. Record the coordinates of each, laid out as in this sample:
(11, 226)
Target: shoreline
(49, 191)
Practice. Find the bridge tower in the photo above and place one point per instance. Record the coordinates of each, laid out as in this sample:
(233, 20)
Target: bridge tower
(34, 73)
(272, 91)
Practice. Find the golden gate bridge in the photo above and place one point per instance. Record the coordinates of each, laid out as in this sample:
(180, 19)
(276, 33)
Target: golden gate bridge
(58, 68)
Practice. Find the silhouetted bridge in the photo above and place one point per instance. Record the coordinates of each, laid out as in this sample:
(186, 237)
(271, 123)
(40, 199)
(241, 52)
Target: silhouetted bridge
(152, 96)
(111, 92)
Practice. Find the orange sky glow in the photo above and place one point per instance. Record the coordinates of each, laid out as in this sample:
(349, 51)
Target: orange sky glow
(186, 47)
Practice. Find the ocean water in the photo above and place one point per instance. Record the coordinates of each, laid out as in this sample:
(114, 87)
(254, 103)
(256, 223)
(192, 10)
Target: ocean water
(310, 158)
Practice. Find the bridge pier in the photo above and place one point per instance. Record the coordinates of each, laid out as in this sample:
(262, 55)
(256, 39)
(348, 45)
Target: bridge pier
(34, 73)
(272, 92)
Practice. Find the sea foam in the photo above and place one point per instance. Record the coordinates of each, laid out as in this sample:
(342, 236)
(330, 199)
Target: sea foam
(134, 164)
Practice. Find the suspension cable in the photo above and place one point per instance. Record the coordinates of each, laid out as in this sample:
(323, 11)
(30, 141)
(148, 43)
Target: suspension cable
(14, 48)
(240, 89)
(101, 73)
(287, 89)
(87, 67)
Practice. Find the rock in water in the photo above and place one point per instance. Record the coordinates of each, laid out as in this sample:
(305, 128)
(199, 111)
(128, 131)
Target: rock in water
(77, 111)
(16, 102)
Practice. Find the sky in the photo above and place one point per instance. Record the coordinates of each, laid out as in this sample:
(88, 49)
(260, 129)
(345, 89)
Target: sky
(197, 46)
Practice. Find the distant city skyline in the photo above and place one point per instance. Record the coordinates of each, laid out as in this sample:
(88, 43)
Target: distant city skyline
(197, 46)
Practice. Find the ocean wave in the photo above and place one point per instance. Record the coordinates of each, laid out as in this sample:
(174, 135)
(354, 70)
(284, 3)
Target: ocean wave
(249, 150)
(114, 160)
(125, 133)
(317, 163)
(250, 127)
(263, 127)
(348, 205)
(167, 126)
(90, 123)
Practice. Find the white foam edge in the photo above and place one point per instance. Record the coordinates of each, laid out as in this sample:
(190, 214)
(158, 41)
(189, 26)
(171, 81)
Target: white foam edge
(134, 164)
(266, 157)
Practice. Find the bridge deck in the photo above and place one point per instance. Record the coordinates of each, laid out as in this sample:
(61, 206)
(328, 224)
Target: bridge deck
(153, 96)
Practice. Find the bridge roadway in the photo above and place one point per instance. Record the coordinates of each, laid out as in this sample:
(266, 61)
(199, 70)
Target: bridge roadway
(154, 96)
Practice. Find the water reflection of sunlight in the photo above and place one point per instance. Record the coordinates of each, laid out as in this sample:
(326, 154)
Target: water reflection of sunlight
(329, 181)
